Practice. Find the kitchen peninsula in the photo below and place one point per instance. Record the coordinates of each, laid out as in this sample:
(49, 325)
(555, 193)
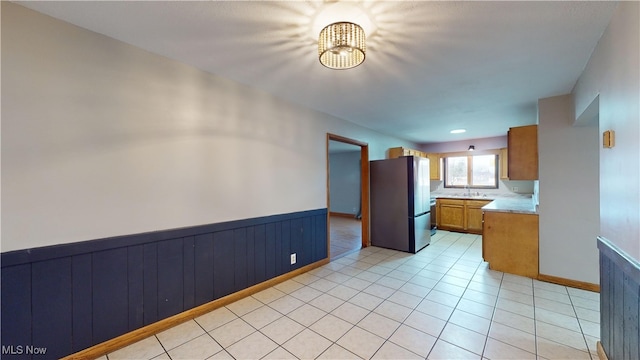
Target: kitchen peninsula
(510, 236)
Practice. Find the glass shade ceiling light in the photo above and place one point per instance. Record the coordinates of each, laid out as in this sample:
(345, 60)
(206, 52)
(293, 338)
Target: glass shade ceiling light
(341, 45)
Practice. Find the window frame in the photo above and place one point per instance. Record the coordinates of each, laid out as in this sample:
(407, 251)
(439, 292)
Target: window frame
(470, 170)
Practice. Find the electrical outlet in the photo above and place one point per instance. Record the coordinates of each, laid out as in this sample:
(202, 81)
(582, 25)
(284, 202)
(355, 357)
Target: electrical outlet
(293, 258)
(515, 189)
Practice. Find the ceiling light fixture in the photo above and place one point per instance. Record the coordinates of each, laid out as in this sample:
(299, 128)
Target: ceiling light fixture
(341, 45)
(457, 131)
(471, 147)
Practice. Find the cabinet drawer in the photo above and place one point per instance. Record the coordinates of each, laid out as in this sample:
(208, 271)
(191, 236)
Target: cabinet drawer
(476, 203)
(451, 202)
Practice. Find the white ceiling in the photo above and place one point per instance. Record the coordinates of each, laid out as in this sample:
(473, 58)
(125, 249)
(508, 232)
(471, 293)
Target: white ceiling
(430, 66)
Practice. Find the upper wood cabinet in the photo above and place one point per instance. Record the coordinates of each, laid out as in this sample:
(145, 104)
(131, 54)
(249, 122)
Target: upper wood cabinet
(402, 151)
(434, 159)
(434, 166)
(523, 153)
(504, 164)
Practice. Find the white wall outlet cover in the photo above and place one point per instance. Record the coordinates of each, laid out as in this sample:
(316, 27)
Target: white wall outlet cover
(293, 259)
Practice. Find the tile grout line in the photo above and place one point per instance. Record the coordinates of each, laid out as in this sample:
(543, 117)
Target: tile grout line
(459, 299)
(586, 343)
(535, 322)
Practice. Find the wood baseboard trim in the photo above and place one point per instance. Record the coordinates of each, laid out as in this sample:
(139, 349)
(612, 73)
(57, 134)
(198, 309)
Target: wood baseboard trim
(144, 332)
(601, 354)
(340, 214)
(568, 282)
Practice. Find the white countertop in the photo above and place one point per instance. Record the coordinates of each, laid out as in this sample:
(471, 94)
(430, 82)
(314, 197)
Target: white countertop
(512, 205)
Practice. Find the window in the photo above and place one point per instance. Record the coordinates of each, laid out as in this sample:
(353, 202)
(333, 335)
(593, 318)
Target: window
(473, 171)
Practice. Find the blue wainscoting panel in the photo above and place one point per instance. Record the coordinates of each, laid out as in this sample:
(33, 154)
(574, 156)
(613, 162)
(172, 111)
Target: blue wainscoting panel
(110, 294)
(170, 277)
(320, 250)
(189, 274)
(51, 306)
(16, 308)
(296, 229)
(619, 302)
(240, 257)
(135, 268)
(72, 296)
(82, 303)
(251, 255)
(287, 249)
(150, 283)
(260, 253)
(270, 257)
(223, 250)
(203, 268)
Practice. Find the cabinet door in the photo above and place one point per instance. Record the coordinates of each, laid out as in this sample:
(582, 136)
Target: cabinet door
(395, 152)
(504, 164)
(523, 153)
(474, 215)
(434, 166)
(451, 214)
(510, 242)
(401, 151)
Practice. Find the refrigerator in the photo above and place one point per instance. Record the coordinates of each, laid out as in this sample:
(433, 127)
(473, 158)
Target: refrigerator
(400, 203)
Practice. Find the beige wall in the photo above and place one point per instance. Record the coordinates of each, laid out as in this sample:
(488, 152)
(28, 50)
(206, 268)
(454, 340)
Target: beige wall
(100, 138)
(612, 79)
(568, 179)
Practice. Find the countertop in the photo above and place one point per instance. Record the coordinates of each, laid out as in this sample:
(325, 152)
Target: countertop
(481, 196)
(466, 197)
(512, 205)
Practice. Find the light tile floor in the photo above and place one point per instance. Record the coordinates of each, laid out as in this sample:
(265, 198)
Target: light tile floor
(442, 303)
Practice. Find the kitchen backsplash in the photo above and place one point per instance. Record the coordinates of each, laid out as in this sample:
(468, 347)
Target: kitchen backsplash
(505, 188)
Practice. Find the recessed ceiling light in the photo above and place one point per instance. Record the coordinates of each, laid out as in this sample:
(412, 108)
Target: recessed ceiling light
(458, 131)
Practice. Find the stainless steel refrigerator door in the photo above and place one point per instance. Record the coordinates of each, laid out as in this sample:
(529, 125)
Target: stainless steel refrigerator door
(421, 186)
(421, 232)
(389, 203)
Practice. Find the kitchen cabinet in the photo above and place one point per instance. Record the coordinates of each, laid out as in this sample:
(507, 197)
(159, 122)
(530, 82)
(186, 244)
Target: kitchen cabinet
(522, 161)
(434, 166)
(450, 214)
(510, 242)
(473, 214)
(402, 151)
(462, 215)
(434, 159)
(504, 164)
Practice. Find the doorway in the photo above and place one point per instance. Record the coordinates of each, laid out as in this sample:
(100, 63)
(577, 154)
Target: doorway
(347, 195)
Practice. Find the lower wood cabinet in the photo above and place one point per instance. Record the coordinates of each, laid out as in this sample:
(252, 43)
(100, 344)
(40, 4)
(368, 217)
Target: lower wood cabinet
(473, 210)
(461, 215)
(450, 214)
(510, 242)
